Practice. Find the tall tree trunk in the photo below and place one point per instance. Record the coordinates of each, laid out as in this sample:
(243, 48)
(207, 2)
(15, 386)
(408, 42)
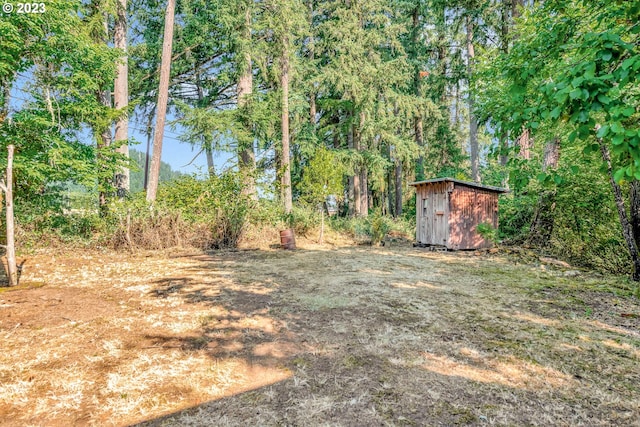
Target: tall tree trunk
(418, 125)
(145, 184)
(354, 180)
(504, 27)
(104, 141)
(543, 220)
(105, 138)
(627, 229)
(312, 109)
(516, 6)
(357, 211)
(286, 168)
(505, 24)
(121, 97)
(456, 105)
(163, 99)
(359, 183)
(525, 142)
(398, 185)
(503, 158)
(12, 268)
(473, 122)
(247, 157)
(391, 184)
(364, 182)
(211, 167)
(312, 56)
(6, 97)
(364, 191)
(441, 50)
(419, 135)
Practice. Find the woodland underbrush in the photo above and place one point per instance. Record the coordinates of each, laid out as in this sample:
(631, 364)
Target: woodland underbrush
(194, 213)
(214, 214)
(585, 232)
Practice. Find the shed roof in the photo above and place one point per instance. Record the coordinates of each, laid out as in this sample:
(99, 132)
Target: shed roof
(458, 181)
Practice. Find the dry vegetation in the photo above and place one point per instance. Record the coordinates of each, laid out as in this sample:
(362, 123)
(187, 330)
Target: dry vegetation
(318, 336)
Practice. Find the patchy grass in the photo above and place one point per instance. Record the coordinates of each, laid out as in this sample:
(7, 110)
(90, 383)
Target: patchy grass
(319, 336)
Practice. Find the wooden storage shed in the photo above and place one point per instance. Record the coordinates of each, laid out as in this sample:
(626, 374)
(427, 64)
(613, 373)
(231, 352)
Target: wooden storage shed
(449, 210)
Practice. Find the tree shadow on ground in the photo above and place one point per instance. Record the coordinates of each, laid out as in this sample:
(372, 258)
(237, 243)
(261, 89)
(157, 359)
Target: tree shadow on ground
(382, 342)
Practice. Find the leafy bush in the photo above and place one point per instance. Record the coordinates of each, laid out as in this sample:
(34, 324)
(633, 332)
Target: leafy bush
(379, 227)
(217, 202)
(304, 219)
(207, 214)
(514, 216)
(487, 231)
(373, 228)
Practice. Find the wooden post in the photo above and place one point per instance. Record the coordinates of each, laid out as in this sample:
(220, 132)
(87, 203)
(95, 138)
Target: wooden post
(321, 238)
(12, 269)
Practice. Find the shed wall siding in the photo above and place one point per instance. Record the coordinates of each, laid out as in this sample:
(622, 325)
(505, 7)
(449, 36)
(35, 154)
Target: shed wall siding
(469, 207)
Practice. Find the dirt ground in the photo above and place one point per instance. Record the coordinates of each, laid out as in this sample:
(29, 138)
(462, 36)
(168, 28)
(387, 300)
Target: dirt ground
(343, 336)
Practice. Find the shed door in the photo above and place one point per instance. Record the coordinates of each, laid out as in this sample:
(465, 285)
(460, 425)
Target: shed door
(440, 219)
(434, 219)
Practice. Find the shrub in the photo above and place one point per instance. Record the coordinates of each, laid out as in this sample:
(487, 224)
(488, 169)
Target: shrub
(206, 214)
(304, 219)
(487, 231)
(379, 227)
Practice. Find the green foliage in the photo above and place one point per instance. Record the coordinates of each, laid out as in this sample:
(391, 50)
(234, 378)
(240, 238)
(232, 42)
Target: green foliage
(577, 63)
(571, 75)
(487, 231)
(379, 226)
(305, 219)
(321, 177)
(409, 210)
(373, 228)
(217, 202)
(515, 214)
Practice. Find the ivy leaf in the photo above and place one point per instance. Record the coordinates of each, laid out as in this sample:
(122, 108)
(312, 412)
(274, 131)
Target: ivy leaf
(590, 70)
(561, 96)
(616, 127)
(572, 136)
(602, 132)
(619, 174)
(627, 63)
(618, 139)
(575, 94)
(555, 113)
(628, 111)
(583, 117)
